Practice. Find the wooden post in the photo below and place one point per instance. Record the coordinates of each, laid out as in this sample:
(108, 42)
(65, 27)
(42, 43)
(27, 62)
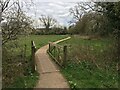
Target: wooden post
(33, 56)
(54, 51)
(64, 55)
(58, 54)
(25, 52)
(49, 47)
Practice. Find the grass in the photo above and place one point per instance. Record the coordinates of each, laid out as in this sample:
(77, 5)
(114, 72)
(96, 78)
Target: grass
(16, 75)
(91, 63)
(79, 76)
(25, 82)
(40, 40)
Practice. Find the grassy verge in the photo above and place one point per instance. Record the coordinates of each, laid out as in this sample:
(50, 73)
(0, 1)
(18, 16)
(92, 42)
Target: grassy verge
(17, 61)
(91, 63)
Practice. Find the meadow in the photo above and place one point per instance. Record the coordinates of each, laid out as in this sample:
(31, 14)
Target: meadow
(91, 63)
(17, 60)
(40, 40)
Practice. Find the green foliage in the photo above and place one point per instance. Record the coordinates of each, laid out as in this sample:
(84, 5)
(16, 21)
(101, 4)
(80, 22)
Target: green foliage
(111, 11)
(26, 81)
(87, 75)
(92, 24)
(91, 63)
(103, 20)
(17, 60)
(52, 31)
(72, 85)
(12, 63)
(72, 30)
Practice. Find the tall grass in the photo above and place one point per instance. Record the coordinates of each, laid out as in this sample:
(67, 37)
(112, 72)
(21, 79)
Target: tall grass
(91, 63)
(17, 60)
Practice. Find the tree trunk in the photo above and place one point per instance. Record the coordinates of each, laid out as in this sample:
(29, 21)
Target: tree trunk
(0, 15)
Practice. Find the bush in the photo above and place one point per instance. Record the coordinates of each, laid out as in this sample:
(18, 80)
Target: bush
(52, 31)
(14, 63)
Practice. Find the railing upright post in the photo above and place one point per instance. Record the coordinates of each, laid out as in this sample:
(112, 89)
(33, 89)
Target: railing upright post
(49, 47)
(64, 55)
(58, 53)
(33, 56)
(54, 52)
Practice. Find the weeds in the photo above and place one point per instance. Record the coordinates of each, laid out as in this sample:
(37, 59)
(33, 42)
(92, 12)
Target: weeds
(16, 60)
(91, 63)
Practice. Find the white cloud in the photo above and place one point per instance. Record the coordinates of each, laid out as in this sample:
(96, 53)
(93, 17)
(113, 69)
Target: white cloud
(58, 10)
(64, 15)
(49, 10)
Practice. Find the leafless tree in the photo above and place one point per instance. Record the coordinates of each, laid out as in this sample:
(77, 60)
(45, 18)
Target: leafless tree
(4, 6)
(47, 21)
(16, 22)
(81, 9)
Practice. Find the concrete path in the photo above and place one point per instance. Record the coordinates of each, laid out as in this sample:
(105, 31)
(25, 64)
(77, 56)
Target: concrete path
(50, 76)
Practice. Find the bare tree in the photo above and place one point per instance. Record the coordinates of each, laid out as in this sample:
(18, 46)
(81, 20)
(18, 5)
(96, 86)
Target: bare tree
(4, 6)
(16, 22)
(80, 9)
(47, 21)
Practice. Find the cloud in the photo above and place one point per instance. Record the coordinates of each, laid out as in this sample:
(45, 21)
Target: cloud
(64, 15)
(58, 10)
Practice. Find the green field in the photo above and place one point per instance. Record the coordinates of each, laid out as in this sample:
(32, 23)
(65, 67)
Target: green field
(21, 76)
(91, 63)
(40, 40)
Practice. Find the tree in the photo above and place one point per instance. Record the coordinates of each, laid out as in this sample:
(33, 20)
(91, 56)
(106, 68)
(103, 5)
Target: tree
(79, 10)
(4, 6)
(13, 55)
(47, 21)
(16, 22)
(92, 23)
(15, 25)
(112, 12)
(90, 19)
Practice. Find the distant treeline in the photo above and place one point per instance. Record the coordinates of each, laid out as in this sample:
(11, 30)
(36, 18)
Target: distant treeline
(51, 31)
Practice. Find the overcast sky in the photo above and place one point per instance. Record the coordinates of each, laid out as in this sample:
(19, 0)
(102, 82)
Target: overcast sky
(58, 10)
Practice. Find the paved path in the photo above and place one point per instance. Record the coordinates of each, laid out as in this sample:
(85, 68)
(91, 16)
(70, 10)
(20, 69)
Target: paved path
(50, 76)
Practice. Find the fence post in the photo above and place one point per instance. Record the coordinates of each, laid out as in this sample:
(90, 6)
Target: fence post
(58, 54)
(49, 47)
(25, 52)
(64, 55)
(54, 52)
(33, 56)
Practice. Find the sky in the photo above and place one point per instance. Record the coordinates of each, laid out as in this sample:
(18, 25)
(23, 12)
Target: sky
(58, 10)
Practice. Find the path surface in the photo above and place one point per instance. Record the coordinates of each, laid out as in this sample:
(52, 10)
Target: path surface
(50, 76)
